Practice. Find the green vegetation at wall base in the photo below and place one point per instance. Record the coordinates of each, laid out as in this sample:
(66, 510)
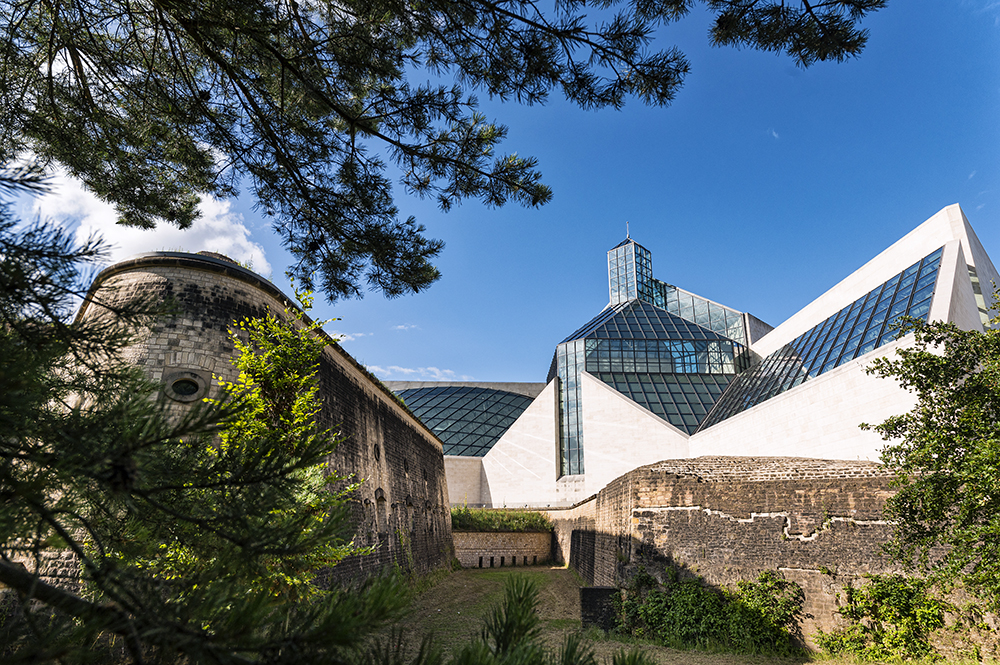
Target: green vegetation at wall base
(892, 617)
(499, 520)
(757, 617)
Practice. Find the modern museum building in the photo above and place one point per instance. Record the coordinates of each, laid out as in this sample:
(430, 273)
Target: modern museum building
(662, 373)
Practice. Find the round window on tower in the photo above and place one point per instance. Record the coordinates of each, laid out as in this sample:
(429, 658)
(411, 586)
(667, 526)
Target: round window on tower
(185, 386)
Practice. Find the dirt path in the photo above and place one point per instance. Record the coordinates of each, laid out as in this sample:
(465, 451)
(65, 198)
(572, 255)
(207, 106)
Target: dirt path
(453, 610)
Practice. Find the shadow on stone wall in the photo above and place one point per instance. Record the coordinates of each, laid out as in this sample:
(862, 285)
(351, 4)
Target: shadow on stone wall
(726, 519)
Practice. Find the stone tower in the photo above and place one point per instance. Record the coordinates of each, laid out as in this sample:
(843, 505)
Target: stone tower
(401, 508)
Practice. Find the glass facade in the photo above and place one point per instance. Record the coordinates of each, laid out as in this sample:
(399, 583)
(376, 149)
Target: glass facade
(630, 272)
(468, 420)
(630, 277)
(977, 289)
(723, 320)
(671, 366)
(862, 326)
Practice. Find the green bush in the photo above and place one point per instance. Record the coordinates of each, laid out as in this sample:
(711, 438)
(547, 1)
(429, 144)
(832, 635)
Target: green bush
(493, 520)
(757, 617)
(891, 618)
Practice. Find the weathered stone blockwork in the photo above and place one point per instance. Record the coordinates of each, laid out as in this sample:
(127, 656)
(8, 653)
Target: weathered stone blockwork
(727, 519)
(401, 508)
(493, 550)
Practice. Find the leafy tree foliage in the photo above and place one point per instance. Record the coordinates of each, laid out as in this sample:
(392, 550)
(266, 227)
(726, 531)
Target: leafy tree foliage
(890, 618)
(153, 102)
(946, 451)
(191, 548)
(282, 488)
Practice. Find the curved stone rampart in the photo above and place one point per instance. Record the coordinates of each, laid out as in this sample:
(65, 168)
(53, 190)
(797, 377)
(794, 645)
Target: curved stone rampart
(401, 508)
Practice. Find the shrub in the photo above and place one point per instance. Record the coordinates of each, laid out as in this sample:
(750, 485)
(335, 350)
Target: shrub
(891, 617)
(493, 520)
(763, 614)
(757, 617)
(510, 635)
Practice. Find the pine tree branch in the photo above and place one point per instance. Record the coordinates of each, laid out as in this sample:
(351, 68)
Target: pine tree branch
(102, 617)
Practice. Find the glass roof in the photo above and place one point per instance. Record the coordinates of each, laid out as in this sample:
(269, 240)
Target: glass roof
(625, 242)
(857, 329)
(723, 320)
(468, 420)
(637, 319)
(683, 400)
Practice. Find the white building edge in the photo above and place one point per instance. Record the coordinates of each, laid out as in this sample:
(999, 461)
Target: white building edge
(818, 418)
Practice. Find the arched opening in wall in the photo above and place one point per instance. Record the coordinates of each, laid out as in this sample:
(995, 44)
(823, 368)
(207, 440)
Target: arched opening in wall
(370, 521)
(381, 512)
(377, 452)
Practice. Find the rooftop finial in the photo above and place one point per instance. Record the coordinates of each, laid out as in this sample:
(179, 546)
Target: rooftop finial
(627, 236)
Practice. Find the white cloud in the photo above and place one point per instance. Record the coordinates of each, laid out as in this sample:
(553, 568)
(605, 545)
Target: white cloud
(348, 337)
(219, 229)
(416, 373)
(405, 326)
(972, 174)
(773, 133)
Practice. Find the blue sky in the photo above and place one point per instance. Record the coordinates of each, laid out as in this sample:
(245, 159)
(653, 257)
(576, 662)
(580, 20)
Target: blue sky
(760, 187)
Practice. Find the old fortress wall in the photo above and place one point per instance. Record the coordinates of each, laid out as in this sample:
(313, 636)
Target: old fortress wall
(818, 522)
(401, 508)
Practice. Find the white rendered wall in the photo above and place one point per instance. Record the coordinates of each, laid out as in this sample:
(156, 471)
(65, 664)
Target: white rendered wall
(619, 435)
(818, 418)
(954, 299)
(989, 279)
(520, 468)
(465, 481)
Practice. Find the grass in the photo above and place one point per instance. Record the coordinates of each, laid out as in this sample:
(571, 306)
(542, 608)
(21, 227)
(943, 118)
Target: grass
(452, 606)
(453, 609)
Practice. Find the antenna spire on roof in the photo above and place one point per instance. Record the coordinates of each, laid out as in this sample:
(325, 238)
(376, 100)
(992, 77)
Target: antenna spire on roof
(627, 236)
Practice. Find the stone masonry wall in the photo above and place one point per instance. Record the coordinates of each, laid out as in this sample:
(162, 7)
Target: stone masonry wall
(490, 550)
(401, 508)
(818, 522)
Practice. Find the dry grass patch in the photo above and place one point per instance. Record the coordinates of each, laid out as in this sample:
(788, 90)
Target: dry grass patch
(453, 610)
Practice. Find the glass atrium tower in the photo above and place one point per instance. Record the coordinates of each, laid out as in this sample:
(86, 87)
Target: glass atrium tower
(670, 351)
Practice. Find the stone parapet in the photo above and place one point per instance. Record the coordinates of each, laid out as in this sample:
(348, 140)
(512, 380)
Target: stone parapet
(727, 519)
(496, 550)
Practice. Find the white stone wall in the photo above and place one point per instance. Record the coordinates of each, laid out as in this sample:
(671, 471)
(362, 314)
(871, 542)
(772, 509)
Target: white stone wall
(619, 435)
(521, 467)
(818, 418)
(466, 481)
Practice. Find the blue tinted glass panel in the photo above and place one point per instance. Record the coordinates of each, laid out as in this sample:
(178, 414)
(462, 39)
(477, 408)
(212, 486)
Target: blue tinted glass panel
(818, 350)
(468, 420)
